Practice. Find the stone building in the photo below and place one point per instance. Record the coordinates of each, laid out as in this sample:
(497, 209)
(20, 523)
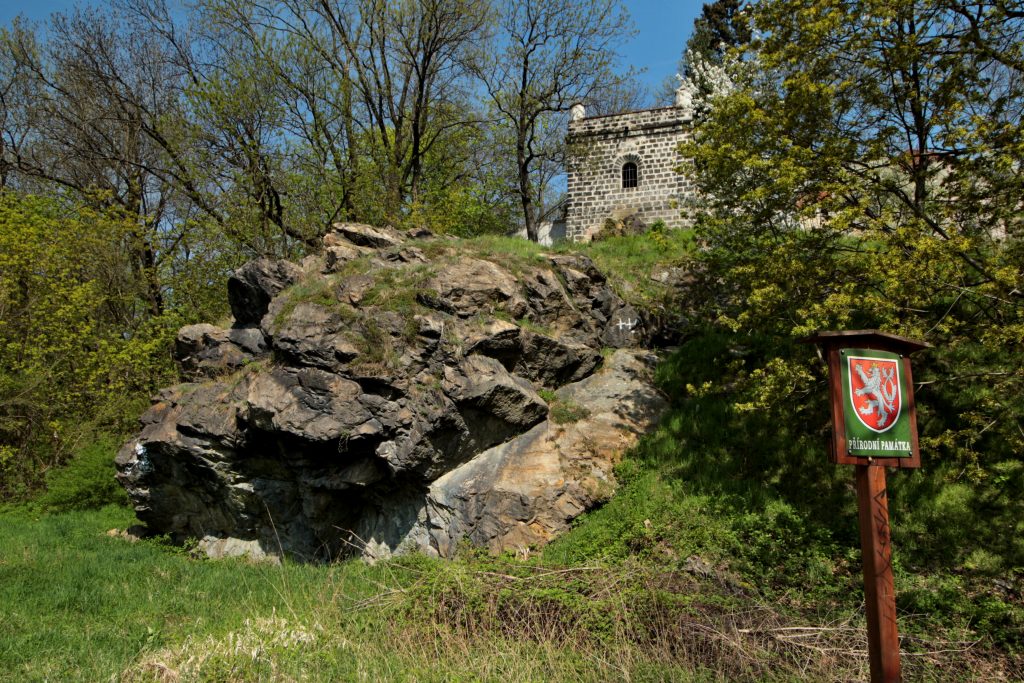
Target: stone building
(622, 167)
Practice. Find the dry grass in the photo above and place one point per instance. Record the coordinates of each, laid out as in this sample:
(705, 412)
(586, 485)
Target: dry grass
(629, 617)
(510, 621)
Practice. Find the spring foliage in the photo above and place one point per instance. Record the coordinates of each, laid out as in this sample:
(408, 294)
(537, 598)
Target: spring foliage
(76, 343)
(147, 149)
(865, 173)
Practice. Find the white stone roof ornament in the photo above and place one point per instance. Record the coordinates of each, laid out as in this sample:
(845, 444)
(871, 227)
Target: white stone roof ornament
(684, 96)
(577, 112)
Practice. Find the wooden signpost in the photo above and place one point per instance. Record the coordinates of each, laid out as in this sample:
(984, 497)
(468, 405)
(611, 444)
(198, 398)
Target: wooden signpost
(874, 426)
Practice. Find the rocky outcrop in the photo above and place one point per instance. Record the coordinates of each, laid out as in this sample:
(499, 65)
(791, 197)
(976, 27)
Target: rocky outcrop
(206, 351)
(387, 396)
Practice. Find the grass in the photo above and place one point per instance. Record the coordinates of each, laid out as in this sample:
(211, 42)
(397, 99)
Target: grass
(565, 412)
(82, 606)
(395, 289)
(561, 411)
(377, 353)
(629, 262)
(729, 553)
(515, 254)
(318, 290)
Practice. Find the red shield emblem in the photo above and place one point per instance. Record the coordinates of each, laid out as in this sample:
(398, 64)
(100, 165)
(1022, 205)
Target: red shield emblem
(875, 391)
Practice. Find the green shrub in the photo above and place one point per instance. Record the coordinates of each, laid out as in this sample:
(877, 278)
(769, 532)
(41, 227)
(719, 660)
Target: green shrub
(565, 412)
(86, 482)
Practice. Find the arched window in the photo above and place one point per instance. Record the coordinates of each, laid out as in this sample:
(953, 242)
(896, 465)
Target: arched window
(628, 175)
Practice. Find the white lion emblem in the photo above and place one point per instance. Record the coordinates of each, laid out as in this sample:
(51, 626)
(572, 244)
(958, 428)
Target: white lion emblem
(880, 388)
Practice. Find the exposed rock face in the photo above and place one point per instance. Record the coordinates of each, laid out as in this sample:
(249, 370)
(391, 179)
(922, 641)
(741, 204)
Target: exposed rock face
(393, 405)
(206, 351)
(525, 491)
(252, 287)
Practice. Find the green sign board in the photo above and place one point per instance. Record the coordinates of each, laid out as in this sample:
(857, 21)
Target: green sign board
(875, 403)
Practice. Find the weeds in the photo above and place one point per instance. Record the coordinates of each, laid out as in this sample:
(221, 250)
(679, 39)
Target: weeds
(317, 290)
(377, 353)
(562, 411)
(565, 412)
(395, 289)
(86, 606)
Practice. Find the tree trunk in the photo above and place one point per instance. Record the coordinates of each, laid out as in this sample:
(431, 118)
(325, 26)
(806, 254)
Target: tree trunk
(525, 187)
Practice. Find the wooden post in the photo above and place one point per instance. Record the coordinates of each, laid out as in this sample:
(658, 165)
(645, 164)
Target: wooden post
(879, 589)
(871, 439)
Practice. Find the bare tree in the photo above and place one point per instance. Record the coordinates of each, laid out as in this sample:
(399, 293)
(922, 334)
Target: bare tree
(556, 53)
(408, 62)
(89, 121)
(369, 87)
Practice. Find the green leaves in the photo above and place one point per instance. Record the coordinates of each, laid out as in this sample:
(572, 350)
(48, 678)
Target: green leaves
(860, 177)
(76, 341)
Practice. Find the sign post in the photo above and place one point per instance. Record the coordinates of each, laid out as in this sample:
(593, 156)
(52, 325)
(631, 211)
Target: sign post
(874, 426)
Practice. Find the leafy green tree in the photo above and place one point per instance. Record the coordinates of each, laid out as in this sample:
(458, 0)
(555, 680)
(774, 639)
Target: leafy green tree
(81, 124)
(69, 359)
(722, 25)
(864, 174)
(466, 190)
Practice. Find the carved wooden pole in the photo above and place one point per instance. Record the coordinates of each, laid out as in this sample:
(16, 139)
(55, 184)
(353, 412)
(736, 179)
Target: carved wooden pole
(879, 589)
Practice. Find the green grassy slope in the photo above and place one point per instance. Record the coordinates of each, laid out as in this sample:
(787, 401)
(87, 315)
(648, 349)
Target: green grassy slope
(622, 597)
(729, 553)
(82, 605)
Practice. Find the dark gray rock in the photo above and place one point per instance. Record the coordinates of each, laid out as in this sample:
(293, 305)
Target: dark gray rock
(507, 404)
(473, 286)
(250, 339)
(177, 470)
(311, 335)
(496, 339)
(309, 404)
(251, 287)
(363, 235)
(205, 351)
(418, 233)
(405, 255)
(554, 362)
(625, 328)
(547, 299)
(579, 272)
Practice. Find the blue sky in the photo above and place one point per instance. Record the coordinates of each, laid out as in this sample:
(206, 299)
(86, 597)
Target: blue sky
(663, 26)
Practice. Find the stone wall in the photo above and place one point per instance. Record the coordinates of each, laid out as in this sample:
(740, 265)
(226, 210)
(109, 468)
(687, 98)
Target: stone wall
(601, 145)
(548, 232)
